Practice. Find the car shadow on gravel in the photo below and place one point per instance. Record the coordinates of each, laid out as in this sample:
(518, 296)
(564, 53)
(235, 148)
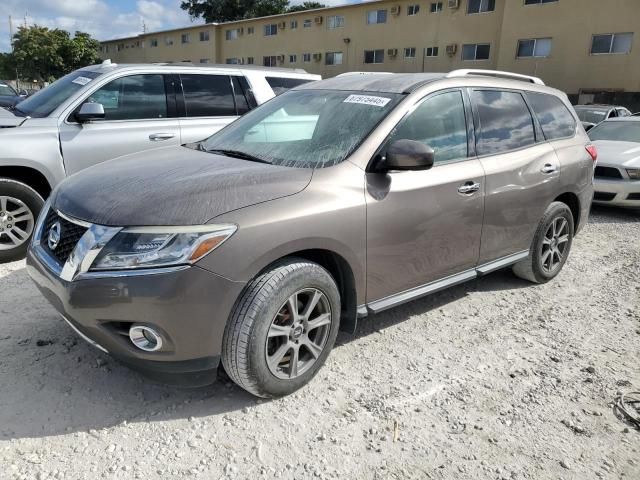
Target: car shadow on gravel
(613, 215)
(53, 383)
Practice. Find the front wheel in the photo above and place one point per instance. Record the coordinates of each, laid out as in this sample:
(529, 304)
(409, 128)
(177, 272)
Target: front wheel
(282, 328)
(550, 247)
(19, 208)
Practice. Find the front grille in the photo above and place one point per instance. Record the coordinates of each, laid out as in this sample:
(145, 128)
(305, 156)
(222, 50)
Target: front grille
(604, 196)
(634, 196)
(608, 172)
(70, 235)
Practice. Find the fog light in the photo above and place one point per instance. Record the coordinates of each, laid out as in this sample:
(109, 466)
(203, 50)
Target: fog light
(145, 338)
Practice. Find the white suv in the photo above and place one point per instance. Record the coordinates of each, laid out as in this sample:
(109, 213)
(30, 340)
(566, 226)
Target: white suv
(105, 111)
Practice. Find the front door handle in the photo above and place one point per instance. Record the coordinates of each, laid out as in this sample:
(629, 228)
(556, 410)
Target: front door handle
(158, 137)
(468, 188)
(548, 168)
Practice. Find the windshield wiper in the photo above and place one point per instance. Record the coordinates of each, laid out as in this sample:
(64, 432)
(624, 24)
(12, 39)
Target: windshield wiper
(239, 154)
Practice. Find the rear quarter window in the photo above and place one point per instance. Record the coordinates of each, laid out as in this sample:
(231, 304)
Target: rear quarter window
(208, 95)
(553, 115)
(280, 84)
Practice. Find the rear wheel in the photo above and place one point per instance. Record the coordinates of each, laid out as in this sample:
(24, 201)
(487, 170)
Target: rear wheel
(282, 329)
(19, 209)
(550, 247)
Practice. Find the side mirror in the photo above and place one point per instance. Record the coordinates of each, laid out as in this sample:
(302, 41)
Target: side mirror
(588, 126)
(23, 93)
(408, 155)
(90, 111)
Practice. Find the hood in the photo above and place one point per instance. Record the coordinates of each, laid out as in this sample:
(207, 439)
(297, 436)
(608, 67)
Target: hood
(172, 186)
(8, 119)
(621, 154)
(9, 100)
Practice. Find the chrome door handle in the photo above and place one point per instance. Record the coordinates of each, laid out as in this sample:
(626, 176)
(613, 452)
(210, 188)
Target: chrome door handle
(548, 168)
(158, 137)
(469, 187)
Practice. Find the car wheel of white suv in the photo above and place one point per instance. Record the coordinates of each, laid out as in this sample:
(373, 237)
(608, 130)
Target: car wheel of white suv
(19, 208)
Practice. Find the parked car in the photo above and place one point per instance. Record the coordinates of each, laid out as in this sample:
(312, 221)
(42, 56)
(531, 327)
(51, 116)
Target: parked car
(617, 175)
(106, 111)
(591, 115)
(8, 95)
(255, 246)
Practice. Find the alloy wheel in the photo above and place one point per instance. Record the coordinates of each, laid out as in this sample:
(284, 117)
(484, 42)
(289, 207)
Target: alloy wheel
(298, 333)
(554, 244)
(16, 222)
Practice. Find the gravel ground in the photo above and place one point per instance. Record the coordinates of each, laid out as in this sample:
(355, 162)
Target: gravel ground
(492, 379)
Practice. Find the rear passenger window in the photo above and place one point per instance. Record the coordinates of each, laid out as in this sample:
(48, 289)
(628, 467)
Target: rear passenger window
(136, 97)
(281, 85)
(208, 95)
(242, 105)
(505, 121)
(554, 117)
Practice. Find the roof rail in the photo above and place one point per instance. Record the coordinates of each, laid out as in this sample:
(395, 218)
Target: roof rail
(348, 74)
(465, 72)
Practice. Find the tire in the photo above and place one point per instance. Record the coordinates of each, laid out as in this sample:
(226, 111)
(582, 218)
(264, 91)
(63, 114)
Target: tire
(264, 309)
(17, 197)
(540, 266)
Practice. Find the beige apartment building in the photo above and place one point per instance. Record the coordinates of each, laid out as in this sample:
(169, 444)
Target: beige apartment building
(588, 48)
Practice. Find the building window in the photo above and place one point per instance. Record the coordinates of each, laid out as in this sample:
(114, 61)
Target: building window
(538, 2)
(249, 60)
(154, 42)
(534, 47)
(476, 51)
(413, 10)
(333, 58)
(307, 23)
(481, 6)
(204, 60)
(294, 24)
(374, 56)
(436, 7)
(250, 30)
(335, 21)
(204, 36)
(431, 52)
(306, 57)
(410, 52)
(270, 61)
(168, 41)
(611, 43)
(230, 61)
(185, 38)
(231, 34)
(376, 16)
(271, 29)
(293, 58)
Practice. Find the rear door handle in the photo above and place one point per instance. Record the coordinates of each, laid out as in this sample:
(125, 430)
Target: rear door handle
(468, 188)
(158, 137)
(548, 168)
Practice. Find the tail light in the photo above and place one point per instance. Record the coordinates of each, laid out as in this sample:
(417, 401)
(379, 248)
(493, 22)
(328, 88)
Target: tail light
(593, 151)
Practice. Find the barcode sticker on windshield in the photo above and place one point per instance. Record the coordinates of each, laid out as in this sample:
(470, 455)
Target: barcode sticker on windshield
(82, 80)
(367, 100)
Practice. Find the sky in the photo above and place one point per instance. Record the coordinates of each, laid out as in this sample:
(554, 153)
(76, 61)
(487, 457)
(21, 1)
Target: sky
(103, 19)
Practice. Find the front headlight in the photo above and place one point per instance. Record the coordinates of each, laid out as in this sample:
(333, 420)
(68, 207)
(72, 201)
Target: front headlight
(145, 247)
(634, 173)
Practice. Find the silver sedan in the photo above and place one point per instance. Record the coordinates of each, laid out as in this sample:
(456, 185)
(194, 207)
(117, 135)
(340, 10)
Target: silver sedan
(617, 173)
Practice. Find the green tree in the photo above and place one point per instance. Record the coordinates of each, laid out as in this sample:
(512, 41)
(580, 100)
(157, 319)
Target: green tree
(80, 51)
(306, 6)
(230, 10)
(7, 67)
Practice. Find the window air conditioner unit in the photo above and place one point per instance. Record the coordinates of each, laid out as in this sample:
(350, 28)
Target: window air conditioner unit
(317, 56)
(282, 25)
(452, 48)
(318, 20)
(392, 52)
(395, 10)
(453, 4)
(280, 58)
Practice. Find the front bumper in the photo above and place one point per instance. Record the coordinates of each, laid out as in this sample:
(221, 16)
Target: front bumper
(620, 193)
(189, 306)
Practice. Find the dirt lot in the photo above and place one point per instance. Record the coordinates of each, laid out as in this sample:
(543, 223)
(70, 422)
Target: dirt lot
(492, 379)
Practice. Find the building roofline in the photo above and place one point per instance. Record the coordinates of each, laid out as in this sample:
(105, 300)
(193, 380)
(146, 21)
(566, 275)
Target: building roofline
(244, 20)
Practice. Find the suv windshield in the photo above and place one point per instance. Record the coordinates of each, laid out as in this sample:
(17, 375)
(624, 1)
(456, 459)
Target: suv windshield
(616, 131)
(6, 90)
(48, 99)
(590, 115)
(304, 128)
